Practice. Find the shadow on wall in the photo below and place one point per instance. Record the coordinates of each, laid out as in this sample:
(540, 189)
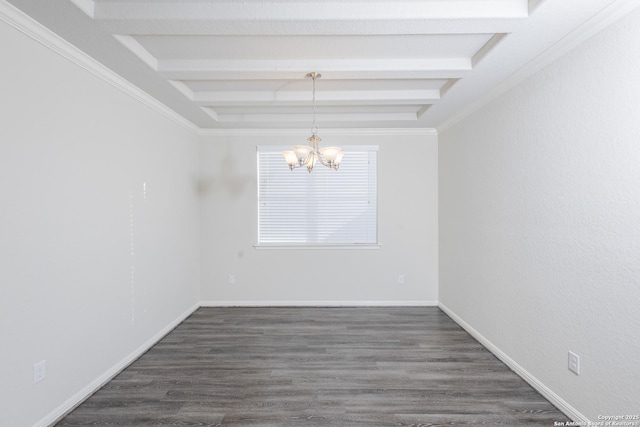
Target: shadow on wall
(225, 178)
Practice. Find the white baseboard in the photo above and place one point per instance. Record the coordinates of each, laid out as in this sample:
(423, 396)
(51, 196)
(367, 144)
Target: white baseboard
(92, 387)
(87, 391)
(549, 394)
(402, 303)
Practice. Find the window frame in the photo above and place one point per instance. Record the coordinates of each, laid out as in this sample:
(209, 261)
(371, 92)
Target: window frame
(316, 245)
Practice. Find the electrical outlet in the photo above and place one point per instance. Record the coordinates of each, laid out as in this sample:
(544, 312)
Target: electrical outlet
(232, 279)
(574, 363)
(39, 371)
(401, 279)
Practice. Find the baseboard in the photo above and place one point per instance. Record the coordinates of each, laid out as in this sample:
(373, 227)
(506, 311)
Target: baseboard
(92, 387)
(96, 384)
(549, 394)
(322, 303)
(87, 391)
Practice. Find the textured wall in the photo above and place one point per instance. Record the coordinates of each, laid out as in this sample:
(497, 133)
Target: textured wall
(540, 222)
(407, 229)
(76, 155)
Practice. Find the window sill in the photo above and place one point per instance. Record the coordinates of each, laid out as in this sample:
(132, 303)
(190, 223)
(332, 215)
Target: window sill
(317, 247)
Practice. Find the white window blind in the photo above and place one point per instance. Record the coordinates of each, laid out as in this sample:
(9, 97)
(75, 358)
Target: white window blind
(322, 207)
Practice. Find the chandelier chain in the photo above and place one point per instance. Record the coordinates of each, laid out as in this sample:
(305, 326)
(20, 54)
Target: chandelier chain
(314, 128)
(309, 155)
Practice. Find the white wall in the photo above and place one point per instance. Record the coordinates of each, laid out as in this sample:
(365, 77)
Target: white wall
(75, 154)
(540, 222)
(407, 218)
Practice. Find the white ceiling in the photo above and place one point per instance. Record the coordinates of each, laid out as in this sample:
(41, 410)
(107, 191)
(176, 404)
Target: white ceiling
(385, 64)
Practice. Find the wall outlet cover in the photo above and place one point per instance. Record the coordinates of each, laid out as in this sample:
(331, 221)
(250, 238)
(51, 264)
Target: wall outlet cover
(39, 371)
(574, 363)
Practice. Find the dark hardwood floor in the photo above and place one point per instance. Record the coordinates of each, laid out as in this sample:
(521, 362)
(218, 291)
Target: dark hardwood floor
(368, 366)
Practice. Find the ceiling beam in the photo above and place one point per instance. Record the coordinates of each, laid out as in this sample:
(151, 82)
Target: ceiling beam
(372, 97)
(232, 75)
(297, 17)
(290, 118)
(404, 68)
(287, 10)
(175, 27)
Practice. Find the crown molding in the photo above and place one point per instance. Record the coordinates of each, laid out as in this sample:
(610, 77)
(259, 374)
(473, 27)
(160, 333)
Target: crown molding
(329, 131)
(30, 27)
(606, 17)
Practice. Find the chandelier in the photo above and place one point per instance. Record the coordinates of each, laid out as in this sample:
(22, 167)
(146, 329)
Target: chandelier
(309, 155)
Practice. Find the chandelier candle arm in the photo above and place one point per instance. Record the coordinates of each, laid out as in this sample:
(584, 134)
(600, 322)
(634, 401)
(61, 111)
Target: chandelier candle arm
(309, 155)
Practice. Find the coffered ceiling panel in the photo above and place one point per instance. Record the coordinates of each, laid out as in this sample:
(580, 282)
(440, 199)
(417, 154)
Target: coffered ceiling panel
(282, 48)
(384, 63)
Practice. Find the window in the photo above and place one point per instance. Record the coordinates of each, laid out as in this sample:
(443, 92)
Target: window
(324, 207)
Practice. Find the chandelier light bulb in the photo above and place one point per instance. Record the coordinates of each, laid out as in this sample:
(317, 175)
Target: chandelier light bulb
(291, 158)
(330, 153)
(302, 152)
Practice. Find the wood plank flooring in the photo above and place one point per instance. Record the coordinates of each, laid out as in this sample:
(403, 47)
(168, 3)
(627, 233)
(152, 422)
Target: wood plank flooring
(366, 366)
